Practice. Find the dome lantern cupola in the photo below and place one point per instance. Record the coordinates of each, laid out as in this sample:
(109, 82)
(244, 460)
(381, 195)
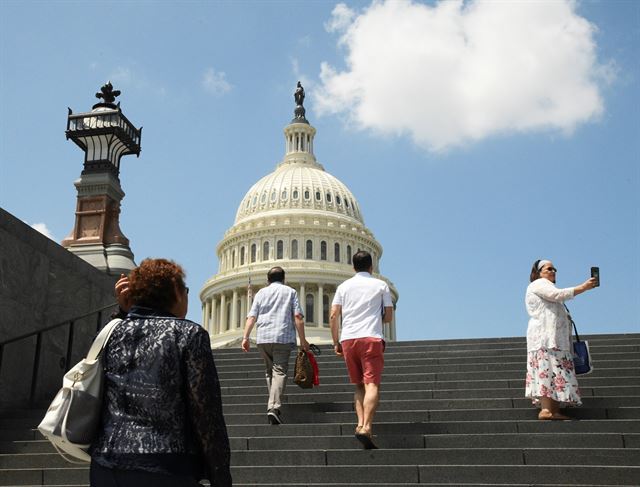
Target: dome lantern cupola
(299, 133)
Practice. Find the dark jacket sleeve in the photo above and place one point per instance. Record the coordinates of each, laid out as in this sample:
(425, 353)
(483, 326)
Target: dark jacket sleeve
(205, 409)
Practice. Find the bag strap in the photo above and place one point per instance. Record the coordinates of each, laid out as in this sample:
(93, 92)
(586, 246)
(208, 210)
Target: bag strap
(313, 349)
(65, 456)
(572, 322)
(102, 338)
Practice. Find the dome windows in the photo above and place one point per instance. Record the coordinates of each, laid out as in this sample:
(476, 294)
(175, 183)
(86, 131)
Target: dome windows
(338, 200)
(255, 200)
(318, 196)
(274, 196)
(325, 309)
(328, 197)
(265, 251)
(336, 252)
(295, 195)
(294, 249)
(307, 194)
(283, 196)
(253, 253)
(323, 250)
(309, 311)
(263, 198)
(309, 250)
(279, 249)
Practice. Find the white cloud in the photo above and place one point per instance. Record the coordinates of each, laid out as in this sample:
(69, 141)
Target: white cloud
(215, 82)
(341, 17)
(457, 72)
(42, 228)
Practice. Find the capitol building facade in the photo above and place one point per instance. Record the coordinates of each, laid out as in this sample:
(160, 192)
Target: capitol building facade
(298, 217)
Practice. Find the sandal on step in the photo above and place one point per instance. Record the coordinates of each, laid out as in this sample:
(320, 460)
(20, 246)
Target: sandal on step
(366, 440)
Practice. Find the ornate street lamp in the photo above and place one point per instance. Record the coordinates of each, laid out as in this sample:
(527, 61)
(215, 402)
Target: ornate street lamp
(105, 135)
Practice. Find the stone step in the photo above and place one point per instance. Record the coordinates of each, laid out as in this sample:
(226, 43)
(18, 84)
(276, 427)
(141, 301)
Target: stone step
(408, 409)
(470, 441)
(414, 382)
(11, 434)
(26, 446)
(50, 476)
(338, 369)
(345, 403)
(479, 456)
(535, 440)
(374, 475)
(440, 427)
(319, 394)
(353, 457)
(254, 360)
(292, 415)
(596, 342)
(487, 440)
(628, 376)
(442, 475)
(459, 484)
(624, 350)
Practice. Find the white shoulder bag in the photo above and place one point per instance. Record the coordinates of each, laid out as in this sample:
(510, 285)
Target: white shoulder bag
(72, 420)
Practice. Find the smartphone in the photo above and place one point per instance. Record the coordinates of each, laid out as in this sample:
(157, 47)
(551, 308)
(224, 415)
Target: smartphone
(595, 272)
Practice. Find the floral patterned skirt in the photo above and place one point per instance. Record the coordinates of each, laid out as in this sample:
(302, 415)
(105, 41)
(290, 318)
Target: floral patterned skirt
(550, 374)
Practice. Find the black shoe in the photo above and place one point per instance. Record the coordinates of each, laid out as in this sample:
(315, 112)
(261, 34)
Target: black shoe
(274, 416)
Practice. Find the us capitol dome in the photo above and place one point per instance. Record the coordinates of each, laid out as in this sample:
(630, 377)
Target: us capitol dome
(298, 217)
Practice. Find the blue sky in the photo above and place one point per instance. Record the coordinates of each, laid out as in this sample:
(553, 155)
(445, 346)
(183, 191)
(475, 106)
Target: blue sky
(476, 136)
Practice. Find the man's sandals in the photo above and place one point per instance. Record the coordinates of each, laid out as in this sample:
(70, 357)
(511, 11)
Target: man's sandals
(365, 438)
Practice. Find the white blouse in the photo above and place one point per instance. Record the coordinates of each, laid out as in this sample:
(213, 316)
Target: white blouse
(549, 325)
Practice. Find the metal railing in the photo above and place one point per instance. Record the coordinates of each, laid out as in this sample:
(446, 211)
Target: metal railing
(103, 119)
(38, 345)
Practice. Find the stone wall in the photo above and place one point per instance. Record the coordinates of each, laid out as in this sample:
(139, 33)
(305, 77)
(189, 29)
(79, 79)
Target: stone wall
(42, 284)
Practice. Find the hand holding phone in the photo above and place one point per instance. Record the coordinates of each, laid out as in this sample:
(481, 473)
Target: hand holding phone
(595, 273)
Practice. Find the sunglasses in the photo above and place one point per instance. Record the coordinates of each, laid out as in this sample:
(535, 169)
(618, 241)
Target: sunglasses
(550, 269)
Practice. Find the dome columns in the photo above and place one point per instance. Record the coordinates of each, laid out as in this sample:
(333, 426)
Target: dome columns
(298, 139)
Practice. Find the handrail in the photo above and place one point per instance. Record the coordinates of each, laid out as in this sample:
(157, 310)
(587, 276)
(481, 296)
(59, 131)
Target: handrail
(51, 327)
(38, 345)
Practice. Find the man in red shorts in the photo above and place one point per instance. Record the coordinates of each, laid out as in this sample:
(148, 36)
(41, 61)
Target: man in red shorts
(364, 303)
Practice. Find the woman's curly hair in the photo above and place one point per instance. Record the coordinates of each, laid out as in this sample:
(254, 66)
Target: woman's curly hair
(153, 283)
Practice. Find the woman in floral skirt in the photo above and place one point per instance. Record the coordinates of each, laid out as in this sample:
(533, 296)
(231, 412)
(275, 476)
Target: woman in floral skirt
(551, 380)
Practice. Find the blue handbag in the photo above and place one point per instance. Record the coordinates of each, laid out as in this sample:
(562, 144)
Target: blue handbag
(581, 356)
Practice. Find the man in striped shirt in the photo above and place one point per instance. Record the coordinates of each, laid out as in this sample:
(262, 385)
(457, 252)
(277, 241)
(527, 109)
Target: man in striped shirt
(277, 313)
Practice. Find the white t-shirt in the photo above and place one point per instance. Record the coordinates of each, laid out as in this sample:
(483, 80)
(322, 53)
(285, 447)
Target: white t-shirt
(363, 299)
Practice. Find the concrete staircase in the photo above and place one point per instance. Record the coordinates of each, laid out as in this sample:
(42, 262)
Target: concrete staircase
(451, 413)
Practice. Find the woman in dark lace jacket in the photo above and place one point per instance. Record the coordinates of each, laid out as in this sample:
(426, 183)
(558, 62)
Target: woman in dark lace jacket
(162, 422)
